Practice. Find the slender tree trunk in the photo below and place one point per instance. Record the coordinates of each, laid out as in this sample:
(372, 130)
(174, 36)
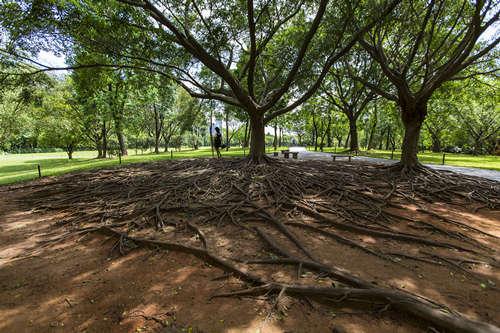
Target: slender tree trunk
(413, 116)
(104, 139)
(69, 150)
(245, 139)
(280, 137)
(211, 134)
(275, 143)
(258, 138)
(388, 138)
(347, 140)
(157, 129)
(121, 141)
(353, 133)
(227, 130)
(372, 131)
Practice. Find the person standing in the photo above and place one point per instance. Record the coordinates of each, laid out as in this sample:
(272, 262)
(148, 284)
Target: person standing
(218, 141)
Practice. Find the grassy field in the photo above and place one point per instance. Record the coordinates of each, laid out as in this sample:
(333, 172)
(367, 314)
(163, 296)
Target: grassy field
(482, 162)
(20, 167)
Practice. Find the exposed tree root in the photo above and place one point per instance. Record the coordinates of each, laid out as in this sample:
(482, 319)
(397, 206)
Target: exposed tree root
(182, 203)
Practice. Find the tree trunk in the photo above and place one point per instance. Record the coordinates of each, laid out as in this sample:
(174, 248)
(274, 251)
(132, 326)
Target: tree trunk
(245, 139)
(372, 132)
(347, 140)
(157, 129)
(123, 145)
(389, 138)
(227, 130)
(436, 144)
(329, 132)
(258, 138)
(69, 150)
(99, 148)
(353, 133)
(413, 116)
(275, 143)
(104, 139)
(281, 137)
(211, 134)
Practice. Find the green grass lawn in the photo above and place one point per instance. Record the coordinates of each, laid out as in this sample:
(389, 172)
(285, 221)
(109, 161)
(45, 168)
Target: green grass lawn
(471, 161)
(20, 167)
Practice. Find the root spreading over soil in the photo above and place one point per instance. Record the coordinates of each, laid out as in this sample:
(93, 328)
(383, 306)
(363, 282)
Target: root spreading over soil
(284, 216)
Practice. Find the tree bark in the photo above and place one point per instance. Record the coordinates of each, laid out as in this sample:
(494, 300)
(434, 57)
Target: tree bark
(413, 116)
(387, 141)
(211, 134)
(121, 141)
(104, 139)
(99, 148)
(227, 130)
(372, 131)
(347, 140)
(353, 133)
(257, 142)
(436, 144)
(275, 143)
(158, 128)
(245, 139)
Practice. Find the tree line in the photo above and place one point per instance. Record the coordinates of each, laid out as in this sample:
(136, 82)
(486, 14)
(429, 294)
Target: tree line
(268, 60)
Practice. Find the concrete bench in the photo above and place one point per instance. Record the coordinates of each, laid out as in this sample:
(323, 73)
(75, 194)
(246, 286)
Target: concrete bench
(276, 154)
(286, 153)
(339, 155)
(295, 154)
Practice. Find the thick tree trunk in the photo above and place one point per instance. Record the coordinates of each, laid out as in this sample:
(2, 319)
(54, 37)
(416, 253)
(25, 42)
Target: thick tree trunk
(353, 133)
(436, 144)
(413, 116)
(258, 139)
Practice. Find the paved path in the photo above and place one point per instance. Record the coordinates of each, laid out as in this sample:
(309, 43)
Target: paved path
(312, 155)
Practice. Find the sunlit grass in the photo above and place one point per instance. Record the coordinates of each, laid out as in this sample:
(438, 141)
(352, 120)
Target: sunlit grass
(21, 167)
(464, 160)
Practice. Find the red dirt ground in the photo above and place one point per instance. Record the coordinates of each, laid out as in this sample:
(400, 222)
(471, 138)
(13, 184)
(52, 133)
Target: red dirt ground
(79, 286)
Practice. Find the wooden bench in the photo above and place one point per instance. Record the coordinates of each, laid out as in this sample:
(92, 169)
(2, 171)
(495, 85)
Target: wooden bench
(295, 154)
(339, 155)
(286, 153)
(276, 154)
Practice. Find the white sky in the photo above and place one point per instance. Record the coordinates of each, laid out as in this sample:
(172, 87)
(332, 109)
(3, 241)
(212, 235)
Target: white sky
(50, 59)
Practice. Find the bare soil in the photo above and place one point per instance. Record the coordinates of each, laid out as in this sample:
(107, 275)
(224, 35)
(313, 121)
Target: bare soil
(56, 279)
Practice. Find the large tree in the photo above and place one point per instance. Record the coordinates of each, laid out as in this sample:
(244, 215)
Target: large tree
(256, 53)
(423, 44)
